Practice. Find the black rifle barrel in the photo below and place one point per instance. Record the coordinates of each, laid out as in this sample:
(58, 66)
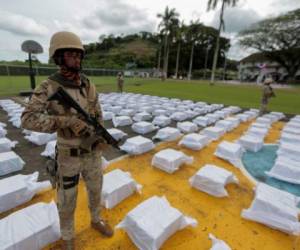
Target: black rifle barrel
(66, 100)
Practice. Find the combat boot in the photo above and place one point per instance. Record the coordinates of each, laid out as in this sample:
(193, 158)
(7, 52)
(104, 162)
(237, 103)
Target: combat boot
(68, 244)
(103, 227)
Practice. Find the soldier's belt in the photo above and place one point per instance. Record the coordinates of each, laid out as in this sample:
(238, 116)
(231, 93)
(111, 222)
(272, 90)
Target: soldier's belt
(73, 152)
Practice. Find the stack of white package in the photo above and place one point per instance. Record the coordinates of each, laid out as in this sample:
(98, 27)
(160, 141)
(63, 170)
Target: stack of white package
(231, 152)
(274, 208)
(117, 186)
(10, 162)
(142, 116)
(251, 142)
(187, 127)
(33, 227)
(117, 134)
(170, 160)
(6, 144)
(161, 121)
(40, 138)
(137, 145)
(167, 134)
(18, 189)
(212, 180)
(202, 121)
(119, 121)
(143, 127)
(153, 221)
(194, 141)
(213, 133)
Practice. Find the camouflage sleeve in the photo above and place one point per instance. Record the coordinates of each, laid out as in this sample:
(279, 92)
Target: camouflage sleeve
(98, 111)
(35, 116)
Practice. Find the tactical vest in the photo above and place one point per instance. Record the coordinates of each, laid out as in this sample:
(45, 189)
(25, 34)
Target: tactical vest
(85, 95)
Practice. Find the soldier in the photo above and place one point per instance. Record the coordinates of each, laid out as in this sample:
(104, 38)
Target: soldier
(41, 115)
(120, 82)
(267, 94)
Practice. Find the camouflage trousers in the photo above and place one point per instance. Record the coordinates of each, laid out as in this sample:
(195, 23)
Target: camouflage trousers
(120, 87)
(69, 170)
(263, 107)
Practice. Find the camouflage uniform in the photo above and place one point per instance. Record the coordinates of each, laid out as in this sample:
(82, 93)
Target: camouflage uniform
(120, 82)
(40, 115)
(267, 94)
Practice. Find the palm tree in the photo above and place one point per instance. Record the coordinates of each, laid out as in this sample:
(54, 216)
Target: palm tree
(193, 33)
(169, 18)
(212, 4)
(180, 32)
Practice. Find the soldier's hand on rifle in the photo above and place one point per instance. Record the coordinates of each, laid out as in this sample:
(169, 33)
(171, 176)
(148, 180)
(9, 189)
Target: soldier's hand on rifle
(78, 126)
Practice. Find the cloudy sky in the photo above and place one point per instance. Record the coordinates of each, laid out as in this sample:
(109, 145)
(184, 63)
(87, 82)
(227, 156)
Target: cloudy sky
(38, 20)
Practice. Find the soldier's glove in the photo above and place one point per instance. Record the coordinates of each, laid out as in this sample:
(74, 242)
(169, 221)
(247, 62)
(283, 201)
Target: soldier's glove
(78, 126)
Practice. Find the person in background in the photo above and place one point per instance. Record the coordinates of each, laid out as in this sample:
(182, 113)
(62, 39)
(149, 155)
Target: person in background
(120, 82)
(266, 95)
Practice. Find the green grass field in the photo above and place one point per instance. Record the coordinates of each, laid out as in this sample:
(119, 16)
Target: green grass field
(246, 96)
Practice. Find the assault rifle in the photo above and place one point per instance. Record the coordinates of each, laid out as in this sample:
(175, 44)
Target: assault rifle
(67, 101)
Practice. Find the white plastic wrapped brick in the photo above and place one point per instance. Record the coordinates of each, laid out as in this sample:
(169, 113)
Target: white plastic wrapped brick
(16, 122)
(254, 131)
(273, 118)
(243, 117)
(120, 121)
(187, 127)
(10, 162)
(231, 152)
(153, 221)
(137, 145)
(32, 228)
(142, 116)
(3, 125)
(279, 115)
(3, 132)
(116, 109)
(212, 180)
(18, 189)
(167, 134)
(194, 141)
(117, 186)
(289, 138)
(158, 112)
(6, 145)
(251, 143)
(287, 161)
(289, 150)
(293, 125)
(202, 121)
(227, 125)
(49, 149)
(127, 112)
(260, 125)
(264, 120)
(169, 160)
(274, 208)
(236, 122)
(117, 134)
(290, 130)
(179, 116)
(107, 115)
(143, 127)
(40, 138)
(161, 121)
(218, 244)
(214, 133)
(252, 114)
(285, 172)
(213, 117)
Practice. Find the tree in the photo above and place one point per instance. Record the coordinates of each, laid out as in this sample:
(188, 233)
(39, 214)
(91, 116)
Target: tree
(212, 4)
(278, 39)
(169, 19)
(180, 33)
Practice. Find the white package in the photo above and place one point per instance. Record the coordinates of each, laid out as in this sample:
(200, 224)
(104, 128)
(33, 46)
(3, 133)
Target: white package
(243, 117)
(169, 160)
(107, 115)
(289, 150)
(153, 221)
(158, 112)
(290, 130)
(127, 112)
(143, 127)
(218, 244)
(251, 143)
(231, 152)
(260, 125)
(3, 132)
(285, 172)
(274, 208)
(202, 121)
(179, 116)
(167, 134)
(293, 125)
(279, 115)
(6, 145)
(227, 125)
(264, 120)
(252, 114)
(137, 145)
(212, 180)
(18, 189)
(32, 228)
(194, 141)
(50, 149)
(261, 132)
(142, 116)
(290, 138)
(214, 133)
(16, 122)
(2, 124)
(161, 121)
(187, 127)
(117, 186)
(117, 134)
(236, 121)
(40, 138)
(10, 162)
(120, 121)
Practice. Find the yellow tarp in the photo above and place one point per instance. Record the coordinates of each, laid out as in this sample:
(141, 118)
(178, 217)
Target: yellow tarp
(219, 216)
